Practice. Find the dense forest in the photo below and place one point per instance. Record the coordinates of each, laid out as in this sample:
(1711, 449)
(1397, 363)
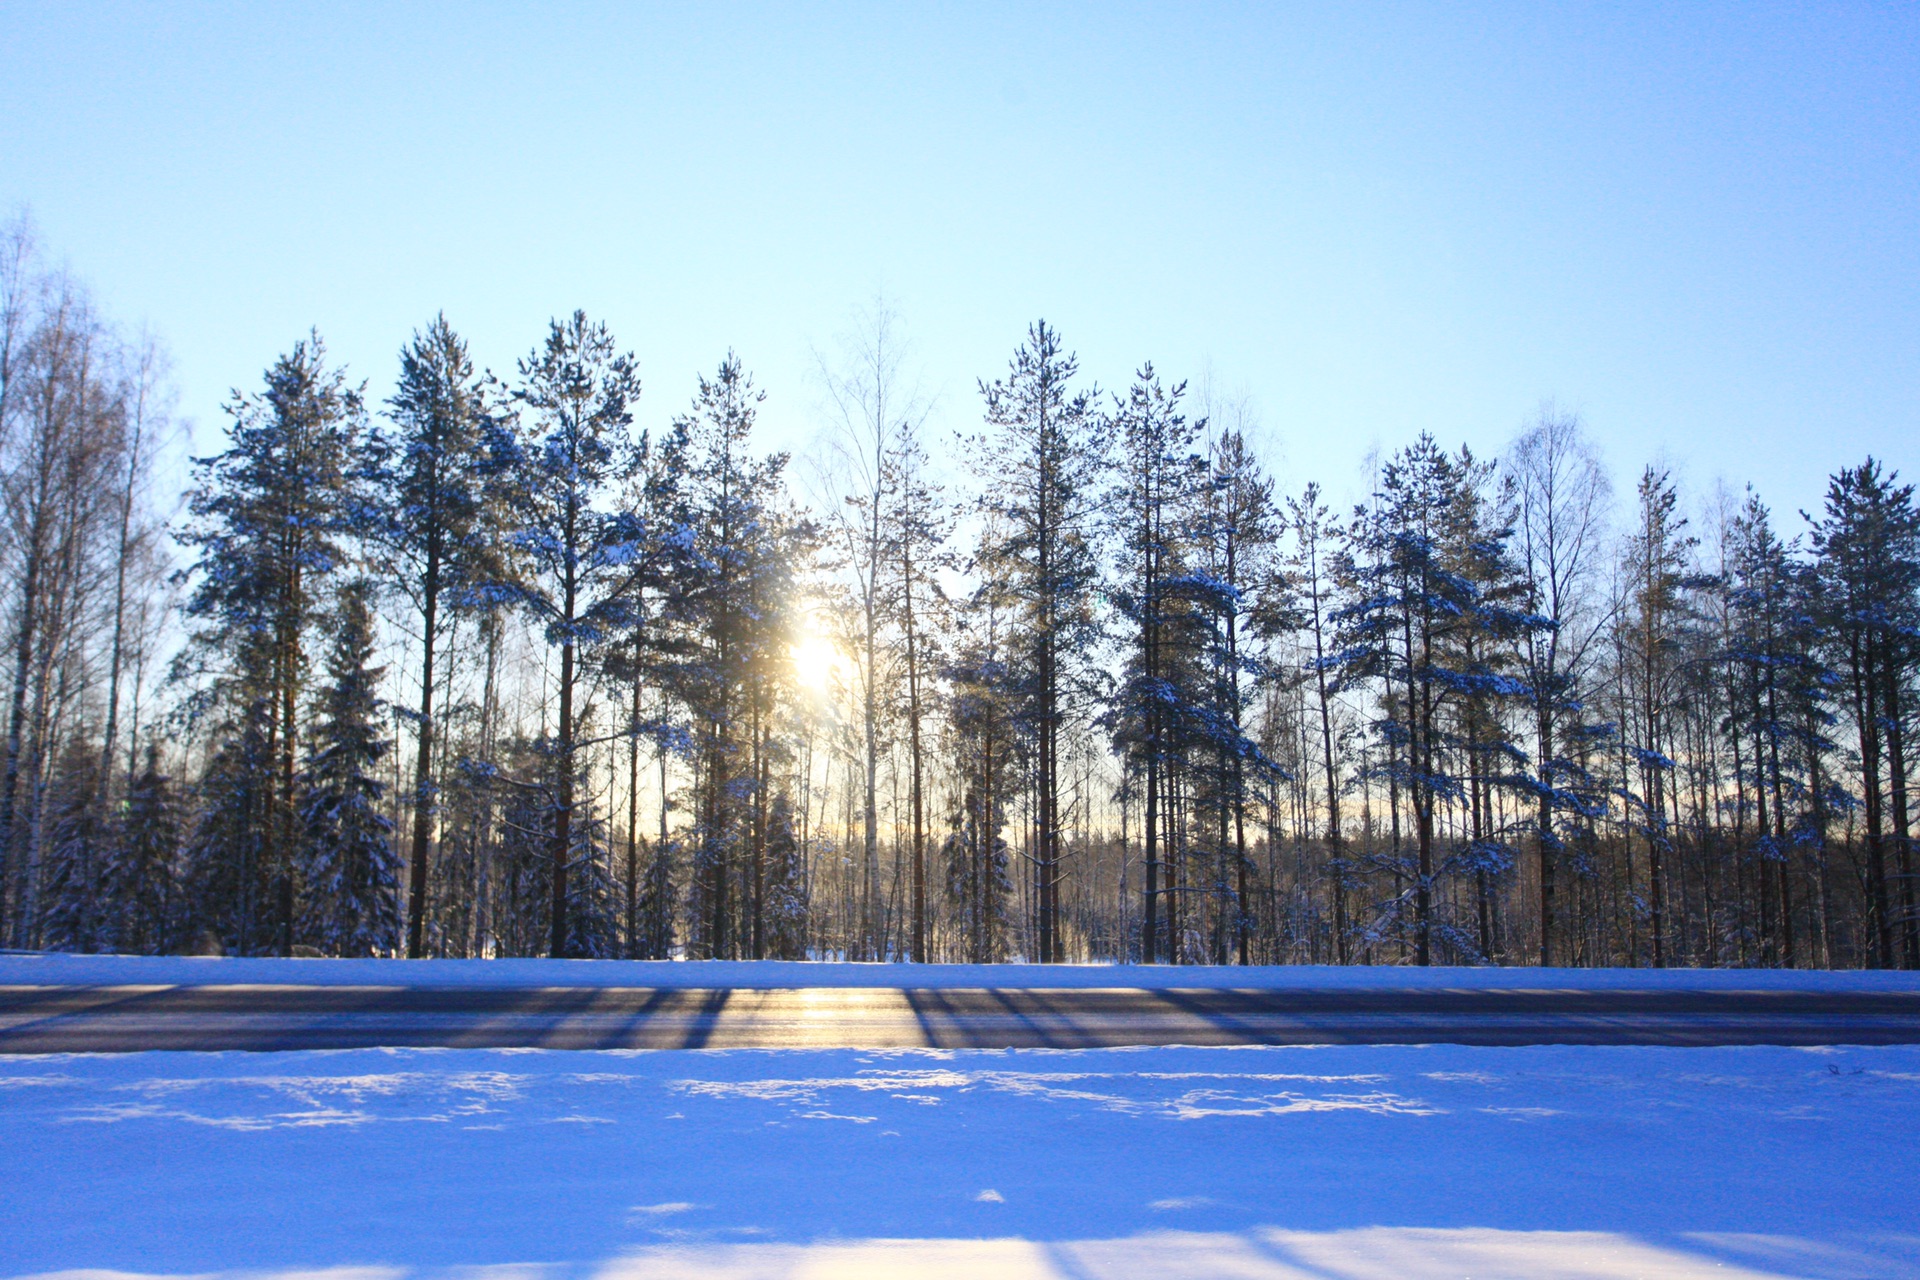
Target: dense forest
(470, 665)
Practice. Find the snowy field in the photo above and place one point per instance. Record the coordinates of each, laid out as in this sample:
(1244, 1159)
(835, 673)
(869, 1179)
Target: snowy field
(39, 969)
(1336, 1163)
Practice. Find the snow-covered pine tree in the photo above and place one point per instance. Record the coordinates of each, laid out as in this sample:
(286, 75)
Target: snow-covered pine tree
(1043, 463)
(351, 871)
(139, 885)
(1158, 480)
(654, 934)
(269, 517)
(1867, 539)
(1429, 584)
(982, 743)
(74, 911)
(733, 611)
(586, 556)
(436, 535)
(786, 885)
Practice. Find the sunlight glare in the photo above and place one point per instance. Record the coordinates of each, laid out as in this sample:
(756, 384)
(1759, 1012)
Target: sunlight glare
(817, 662)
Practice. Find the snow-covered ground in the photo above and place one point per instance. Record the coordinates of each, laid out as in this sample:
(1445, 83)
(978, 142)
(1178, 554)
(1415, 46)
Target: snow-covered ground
(772, 975)
(1335, 1163)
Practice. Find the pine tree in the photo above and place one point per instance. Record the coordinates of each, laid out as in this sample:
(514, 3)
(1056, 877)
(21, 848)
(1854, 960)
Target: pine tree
(351, 871)
(585, 553)
(1654, 627)
(1044, 461)
(732, 609)
(1429, 587)
(1868, 544)
(1160, 476)
(437, 534)
(269, 518)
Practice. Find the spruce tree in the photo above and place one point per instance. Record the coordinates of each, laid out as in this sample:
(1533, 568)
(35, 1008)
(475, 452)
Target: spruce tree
(351, 871)
(139, 885)
(653, 937)
(786, 885)
(75, 912)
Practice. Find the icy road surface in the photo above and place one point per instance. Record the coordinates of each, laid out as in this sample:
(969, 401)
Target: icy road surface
(1329, 1163)
(107, 1003)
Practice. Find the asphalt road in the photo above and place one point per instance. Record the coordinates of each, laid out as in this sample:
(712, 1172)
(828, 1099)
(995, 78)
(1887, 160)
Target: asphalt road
(74, 1019)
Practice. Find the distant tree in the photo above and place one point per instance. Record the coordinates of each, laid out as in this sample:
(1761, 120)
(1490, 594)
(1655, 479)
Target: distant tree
(980, 719)
(653, 937)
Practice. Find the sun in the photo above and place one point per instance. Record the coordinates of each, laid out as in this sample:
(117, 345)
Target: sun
(817, 662)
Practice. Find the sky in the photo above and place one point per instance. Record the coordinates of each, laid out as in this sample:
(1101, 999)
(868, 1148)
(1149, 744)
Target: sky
(1698, 226)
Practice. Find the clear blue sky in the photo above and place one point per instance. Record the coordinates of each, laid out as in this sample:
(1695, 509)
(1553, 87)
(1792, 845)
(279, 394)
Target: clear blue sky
(1699, 225)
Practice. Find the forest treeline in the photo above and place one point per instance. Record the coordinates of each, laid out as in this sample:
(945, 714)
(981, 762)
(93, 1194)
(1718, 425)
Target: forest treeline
(473, 666)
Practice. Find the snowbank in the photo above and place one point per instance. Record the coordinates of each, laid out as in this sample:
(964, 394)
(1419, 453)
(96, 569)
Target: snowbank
(49, 969)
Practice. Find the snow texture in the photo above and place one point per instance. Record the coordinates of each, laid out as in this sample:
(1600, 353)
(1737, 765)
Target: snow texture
(768, 975)
(1330, 1163)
